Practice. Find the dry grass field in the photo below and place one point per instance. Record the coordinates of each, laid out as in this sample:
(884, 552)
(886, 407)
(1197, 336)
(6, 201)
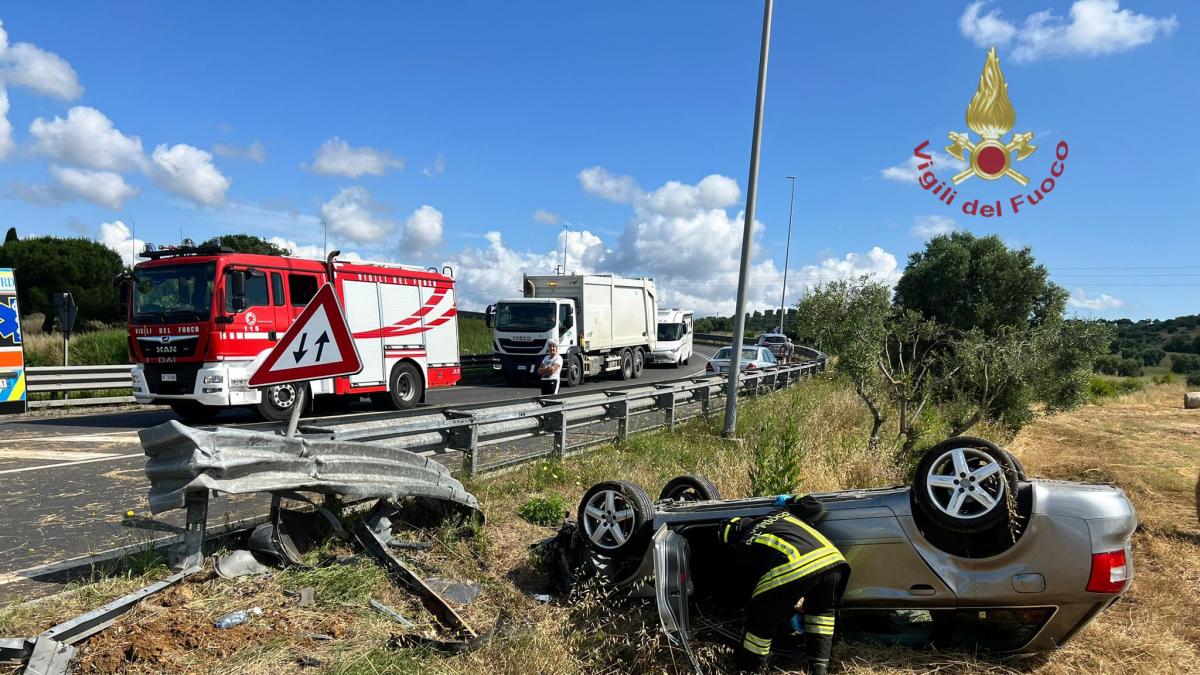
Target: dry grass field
(1145, 442)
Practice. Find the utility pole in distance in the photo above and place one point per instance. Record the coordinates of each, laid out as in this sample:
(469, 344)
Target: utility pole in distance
(787, 252)
(739, 319)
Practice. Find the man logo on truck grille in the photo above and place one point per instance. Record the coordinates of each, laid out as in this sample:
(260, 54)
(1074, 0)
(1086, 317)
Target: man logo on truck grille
(990, 115)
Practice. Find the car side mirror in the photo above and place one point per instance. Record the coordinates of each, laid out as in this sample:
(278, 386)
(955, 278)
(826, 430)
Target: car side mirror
(489, 315)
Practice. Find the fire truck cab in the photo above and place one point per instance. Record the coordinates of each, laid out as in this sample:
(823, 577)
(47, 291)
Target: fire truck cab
(201, 320)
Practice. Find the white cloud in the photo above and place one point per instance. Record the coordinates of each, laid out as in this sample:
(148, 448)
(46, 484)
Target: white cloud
(1104, 302)
(1095, 28)
(422, 231)
(189, 172)
(101, 187)
(680, 234)
(87, 138)
(46, 73)
(927, 227)
(350, 215)
(545, 217)
(117, 236)
(312, 251)
(335, 157)
(599, 182)
(255, 152)
(907, 171)
(435, 168)
(6, 141)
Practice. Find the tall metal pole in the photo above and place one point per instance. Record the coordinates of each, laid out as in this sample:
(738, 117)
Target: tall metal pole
(739, 319)
(787, 252)
(564, 267)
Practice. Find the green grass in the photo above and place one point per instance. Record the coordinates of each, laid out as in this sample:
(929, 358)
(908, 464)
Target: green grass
(1102, 387)
(474, 337)
(542, 510)
(98, 348)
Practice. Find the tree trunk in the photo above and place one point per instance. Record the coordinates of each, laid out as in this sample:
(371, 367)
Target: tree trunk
(876, 417)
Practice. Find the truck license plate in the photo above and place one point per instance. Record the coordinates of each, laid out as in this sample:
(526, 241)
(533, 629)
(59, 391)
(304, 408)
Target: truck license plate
(168, 377)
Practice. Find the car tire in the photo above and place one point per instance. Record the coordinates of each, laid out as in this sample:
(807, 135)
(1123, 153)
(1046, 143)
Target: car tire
(964, 484)
(405, 386)
(1017, 466)
(574, 376)
(690, 488)
(626, 364)
(687, 360)
(277, 401)
(614, 518)
(639, 362)
(194, 411)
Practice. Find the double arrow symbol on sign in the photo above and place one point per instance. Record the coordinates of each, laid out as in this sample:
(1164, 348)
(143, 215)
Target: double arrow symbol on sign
(299, 353)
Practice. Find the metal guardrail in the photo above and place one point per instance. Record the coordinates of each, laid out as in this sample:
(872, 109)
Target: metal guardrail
(63, 379)
(496, 437)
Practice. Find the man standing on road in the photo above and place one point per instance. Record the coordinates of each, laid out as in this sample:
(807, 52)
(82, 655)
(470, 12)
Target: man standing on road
(551, 370)
(780, 558)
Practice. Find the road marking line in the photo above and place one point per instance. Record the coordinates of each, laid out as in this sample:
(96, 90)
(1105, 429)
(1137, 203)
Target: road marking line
(61, 464)
(79, 438)
(66, 455)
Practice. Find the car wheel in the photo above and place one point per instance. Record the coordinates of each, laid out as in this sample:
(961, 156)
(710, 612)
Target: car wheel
(690, 488)
(405, 386)
(639, 362)
(574, 371)
(626, 365)
(964, 484)
(1017, 466)
(194, 411)
(277, 402)
(615, 517)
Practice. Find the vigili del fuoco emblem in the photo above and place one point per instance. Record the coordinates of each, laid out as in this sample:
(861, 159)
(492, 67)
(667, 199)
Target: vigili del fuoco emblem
(991, 115)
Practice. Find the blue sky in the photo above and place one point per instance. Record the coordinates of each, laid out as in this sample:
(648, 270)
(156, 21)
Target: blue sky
(469, 134)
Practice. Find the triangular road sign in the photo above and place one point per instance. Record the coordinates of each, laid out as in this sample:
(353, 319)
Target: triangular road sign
(318, 345)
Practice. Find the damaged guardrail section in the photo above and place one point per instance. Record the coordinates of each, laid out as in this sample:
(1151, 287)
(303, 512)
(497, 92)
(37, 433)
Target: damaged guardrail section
(183, 460)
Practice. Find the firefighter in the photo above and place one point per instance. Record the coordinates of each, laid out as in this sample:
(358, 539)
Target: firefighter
(780, 559)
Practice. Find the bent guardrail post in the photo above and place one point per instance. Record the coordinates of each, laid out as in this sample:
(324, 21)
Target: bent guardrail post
(189, 552)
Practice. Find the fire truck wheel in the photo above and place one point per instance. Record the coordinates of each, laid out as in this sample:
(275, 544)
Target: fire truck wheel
(277, 401)
(405, 386)
(191, 411)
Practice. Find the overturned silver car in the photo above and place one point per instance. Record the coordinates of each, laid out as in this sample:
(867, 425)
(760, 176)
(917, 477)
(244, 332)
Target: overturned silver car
(975, 555)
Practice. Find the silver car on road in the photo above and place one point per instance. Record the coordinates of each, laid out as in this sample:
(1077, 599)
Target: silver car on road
(752, 358)
(975, 555)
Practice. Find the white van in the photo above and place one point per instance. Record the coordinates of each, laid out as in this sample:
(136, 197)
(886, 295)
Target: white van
(674, 345)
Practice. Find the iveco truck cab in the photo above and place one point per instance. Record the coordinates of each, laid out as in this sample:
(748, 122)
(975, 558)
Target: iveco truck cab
(602, 324)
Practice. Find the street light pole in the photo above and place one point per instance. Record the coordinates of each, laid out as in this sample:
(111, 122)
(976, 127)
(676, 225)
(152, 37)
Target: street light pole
(787, 252)
(739, 319)
(564, 267)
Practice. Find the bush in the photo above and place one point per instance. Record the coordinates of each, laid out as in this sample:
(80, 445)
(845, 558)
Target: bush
(1114, 364)
(1193, 379)
(1165, 378)
(1102, 388)
(1185, 363)
(539, 510)
(775, 466)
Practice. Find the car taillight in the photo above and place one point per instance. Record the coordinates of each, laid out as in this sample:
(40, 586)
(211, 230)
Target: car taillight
(1110, 572)
(749, 366)
(708, 368)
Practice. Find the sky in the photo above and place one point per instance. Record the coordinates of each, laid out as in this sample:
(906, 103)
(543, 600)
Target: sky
(485, 136)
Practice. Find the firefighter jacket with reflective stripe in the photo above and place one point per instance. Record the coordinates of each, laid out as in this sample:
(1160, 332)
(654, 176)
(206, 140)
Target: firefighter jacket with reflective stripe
(777, 549)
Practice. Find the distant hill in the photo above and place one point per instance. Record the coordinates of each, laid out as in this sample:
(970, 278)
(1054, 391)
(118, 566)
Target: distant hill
(1170, 343)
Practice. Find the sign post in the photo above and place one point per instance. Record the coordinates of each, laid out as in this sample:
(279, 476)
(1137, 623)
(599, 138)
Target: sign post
(318, 345)
(67, 311)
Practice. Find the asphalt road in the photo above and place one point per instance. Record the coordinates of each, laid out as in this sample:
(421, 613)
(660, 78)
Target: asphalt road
(67, 480)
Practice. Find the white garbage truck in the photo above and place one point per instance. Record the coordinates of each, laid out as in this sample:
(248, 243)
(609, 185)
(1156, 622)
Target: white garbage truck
(674, 346)
(602, 324)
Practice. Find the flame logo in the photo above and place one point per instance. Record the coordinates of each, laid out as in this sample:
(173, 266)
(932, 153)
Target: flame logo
(991, 115)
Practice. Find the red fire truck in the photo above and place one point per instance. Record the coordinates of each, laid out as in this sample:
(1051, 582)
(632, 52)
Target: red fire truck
(202, 319)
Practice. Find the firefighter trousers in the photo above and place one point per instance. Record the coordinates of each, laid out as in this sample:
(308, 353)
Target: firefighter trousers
(769, 613)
